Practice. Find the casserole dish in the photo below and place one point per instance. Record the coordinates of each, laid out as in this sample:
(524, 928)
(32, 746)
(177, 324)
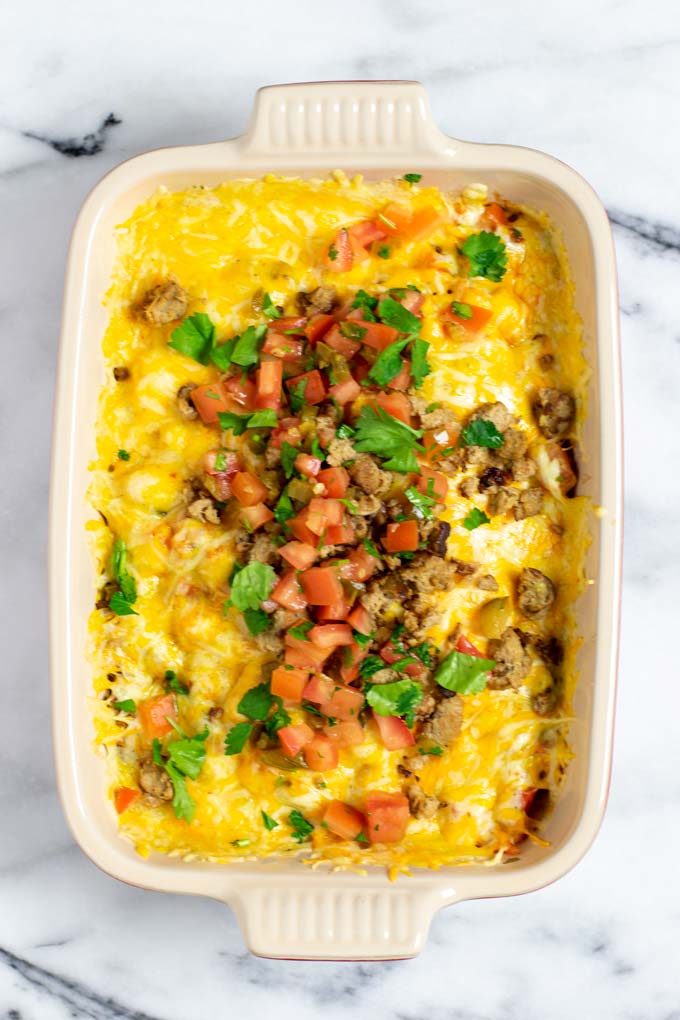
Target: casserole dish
(378, 129)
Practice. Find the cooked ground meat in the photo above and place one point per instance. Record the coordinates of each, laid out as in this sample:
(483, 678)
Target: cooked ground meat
(501, 501)
(470, 487)
(381, 594)
(365, 505)
(550, 649)
(316, 301)
(438, 537)
(546, 361)
(325, 430)
(421, 804)
(121, 373)
(512, 661)
(105, 595)
(242, 542)
(426, 705)
(554, 411)
(515, 444)
(491, 477)
(487, 583)
(263, 550)
(215, 713)
(339, 452)
(368, 476)
(530, 503)
(522, 469)
(185, 404)
(535, 592)
(546, 702)
(204, 510)
(272, 456)
(155, 780)
(270, 641)
(444, 724)
(482, 456)
(429, 573)
(385, 676)
(165, 303)
(463, 568)
(439, 417)
(496, 413)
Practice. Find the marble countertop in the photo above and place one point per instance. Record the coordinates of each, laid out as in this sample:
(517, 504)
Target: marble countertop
(85, 85)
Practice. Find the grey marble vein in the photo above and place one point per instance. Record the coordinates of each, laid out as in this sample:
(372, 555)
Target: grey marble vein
(88, 144)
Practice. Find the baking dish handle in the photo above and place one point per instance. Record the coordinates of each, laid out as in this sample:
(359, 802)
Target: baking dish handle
(310, 919)
(345, 118)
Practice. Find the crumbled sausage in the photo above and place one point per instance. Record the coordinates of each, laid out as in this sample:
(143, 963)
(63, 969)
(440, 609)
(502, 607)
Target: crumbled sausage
(535, 592)
(121, 373)
(429, 573)
(554, 411)
(522, 469)
(321, 300)
(243, 542)
(325, 429)
(546, 361)
(438, 537)
(369, 477)
(470, 487)
(215, 713)
(155, 780)
(501, 501)
(185, 404)
(512, 661)
(551, 649)
(546, 702)
(339, 452)
(421, 804)
(496, 413)
(165, 303)
(438, 418)
(444, 724)
(385, 676)
(530, 503)
(272, 456)
(463, 568)
(365, 505)
(515, 444)
(263, 550)
(491, 477)
(105, 595)
(487, 583)
(383, 594)
(204, 510)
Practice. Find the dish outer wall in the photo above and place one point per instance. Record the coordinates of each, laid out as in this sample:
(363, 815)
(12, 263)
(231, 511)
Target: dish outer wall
(379, 129)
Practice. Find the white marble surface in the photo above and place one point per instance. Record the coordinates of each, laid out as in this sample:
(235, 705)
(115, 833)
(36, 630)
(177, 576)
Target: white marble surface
(598, 85)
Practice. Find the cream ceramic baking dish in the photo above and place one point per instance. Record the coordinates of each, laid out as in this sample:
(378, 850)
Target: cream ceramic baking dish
(378, 129)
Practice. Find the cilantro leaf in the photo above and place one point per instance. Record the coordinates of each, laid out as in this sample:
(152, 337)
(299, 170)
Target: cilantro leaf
(481, 433)
(284, 509)
(288, 455)
(332, 252)
(246, 350)
(172, 683)
(256, 702)
(462, 310)
(397, 698)
(389, 363)
(361, 838)
(378, 432)
(383, 253)
(344, 431)
(486, 253)
(394, 314)
(257, 621)
(188, 754)
(123, 455)
(129, 706)
(412, 178)
(370, 665)
(301, 630)
(362, 639)
(156, 752)
(221, 354)
(419, 364)
(464, 674)
(436, 750)
(237, 738)
(475, 518)
(252, 585)
(268, 822)
(421, 503)
(182, 801)
(403, 461)
(269, 308)
(426, 653)
(302, 829)
(121, 606)
(195, 337)
(372, 549)
(266, 419)
(238, 423)
(367, 304)
(120, 572)
(296, 395)
(277, 719)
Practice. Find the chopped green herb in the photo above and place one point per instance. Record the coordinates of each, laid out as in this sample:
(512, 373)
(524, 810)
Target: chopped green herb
(464, 674)
(302, 829)
(121, 606)
(462, 310)
(268, 822)
(388, 223)
(240, 842)
(436, 751)
(419, 363)
(129, 706)
(288, 455)
(378, 432)
(195, 338)
(486, 253)
(371, 548)
(121, 602)
(221, 461)
(188, 754)
(238, 423)
(362, 639)
(221, 354)
(475, 518)
(256, 702)
(426, 653)
(257, 621)
(361, 838)
(296, 395)
(344, 431)
(332, 252)
(370, 665)
(412, 178)
(269, 308)
(481, 433)
(123, 455)
(394, 314)
(156, 752)
(367, 304)
(246, 350)
(284, 509)
(182, 801)
(277, 719)
(237, 738)
(317, 451)
(389, 363)
(516, 235)
(383, 253)
(421, 503)
(353, 331)
(252, 585)
(397, 698)
(301, 631)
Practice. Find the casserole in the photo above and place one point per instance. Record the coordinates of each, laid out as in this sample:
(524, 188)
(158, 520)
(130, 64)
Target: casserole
(378, 129)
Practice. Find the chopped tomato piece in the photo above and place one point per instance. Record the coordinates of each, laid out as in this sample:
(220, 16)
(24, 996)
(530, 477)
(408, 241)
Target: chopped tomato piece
(437, 440)
(253, 517)
(340, 534)
(394, 732)
(477, 321)
(321, 513)
(336, 480)
(339, 255)
(310, 386)
(288, 431)
(465, 646)
(362, 563)
(321, 754)
(318, 689)
(496, 214)
(423, 223)
(360, 619)
(303, 654)
(391, 655)
(124, 798)
(395, 218)
(318, 326)
(342, 344)
(338, 611)
(330, 635)
(433, 483)
(288, 593)
(210, 399)
(378, 335)
(268, 383)
(345, 392)
(401, 537)
(402, 381)
(345, 821)
(289, 683)
(242, 390)
(294, 738)
(346, 733)
(344, 703)
(352, 657)
(248, 489)
(413, 301)
(288, 322)
(285, 347)
(154, 714)
(367, 232)
(396, 404)
(387, 815)
(322, 586)
(307, 465)
(298, 526)
(222, 476)
(299, 554)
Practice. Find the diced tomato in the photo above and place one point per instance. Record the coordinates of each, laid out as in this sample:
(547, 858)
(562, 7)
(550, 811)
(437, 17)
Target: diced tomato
(367, 232)
(391, 655)
(268, 383)
(321, 513)
(285, 347)
(223, 476)
(465, 646)
(439, 486)
(344, 703)
(387, 815)
(303, 654)
(330, 635)
(394, 732)
(253, 517)
(248, 489)
(289, 683)
(340, 534)
(154, 714)
(336, 480)
(413, 301)
(360, 619)
(342, 344)
(318, 326)
(318, 689)
(294, 738)
(423, 223)
(321, 754)
(298, 526)
(310, 385)
(352, 657)
(322, 586)
(396, 404)
(477, 321)
(436, 441)
(362, 563)
(401, 537)
(346, 733)
(299, 554)
(288, 431)
(395, 218)
(378, 335)
(338, 611)
(288, 594)
(345, 821)
(124, 798)
(496, 214)
(289, 322)
(339, 255)
(402, 381)
(210, 399)
(345, 392)
(242, 390)
(307, 465)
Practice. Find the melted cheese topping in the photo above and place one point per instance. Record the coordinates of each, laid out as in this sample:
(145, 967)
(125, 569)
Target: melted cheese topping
(223, 245)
